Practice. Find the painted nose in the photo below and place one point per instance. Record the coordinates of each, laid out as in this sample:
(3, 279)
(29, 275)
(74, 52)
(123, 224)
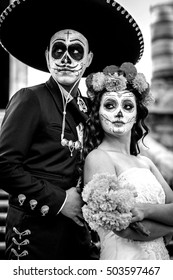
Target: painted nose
(119, 115)
(66, 59)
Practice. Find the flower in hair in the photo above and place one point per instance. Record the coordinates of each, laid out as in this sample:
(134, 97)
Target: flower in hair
(115, 82)
(90, 91)
(114, 78)
(98, 81)
(110, 69)
(129, 69)
(140, 83)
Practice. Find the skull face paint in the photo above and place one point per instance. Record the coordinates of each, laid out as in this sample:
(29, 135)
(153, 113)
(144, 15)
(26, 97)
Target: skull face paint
(117, 112)
(68, 56)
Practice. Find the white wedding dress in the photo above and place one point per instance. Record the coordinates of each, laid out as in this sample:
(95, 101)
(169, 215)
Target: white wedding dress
(114, 247)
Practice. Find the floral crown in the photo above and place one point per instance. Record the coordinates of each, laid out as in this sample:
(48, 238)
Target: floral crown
(114, 78)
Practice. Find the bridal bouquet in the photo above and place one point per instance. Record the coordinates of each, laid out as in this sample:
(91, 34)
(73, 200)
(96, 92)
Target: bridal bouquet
(108, 204)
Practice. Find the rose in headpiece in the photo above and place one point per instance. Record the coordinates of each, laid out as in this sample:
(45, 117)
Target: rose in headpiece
(115, 82)
(129, 69)
(110, 69)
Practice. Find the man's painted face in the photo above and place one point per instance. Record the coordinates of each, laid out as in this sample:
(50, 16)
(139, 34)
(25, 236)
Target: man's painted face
(68, 56)
(117, 112)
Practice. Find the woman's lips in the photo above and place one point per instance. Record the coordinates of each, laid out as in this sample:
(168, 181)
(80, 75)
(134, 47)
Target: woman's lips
(118, 123)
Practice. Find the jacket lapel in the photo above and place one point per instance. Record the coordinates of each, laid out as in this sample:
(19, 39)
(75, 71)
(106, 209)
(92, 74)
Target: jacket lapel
(82, 117)
(73, 114)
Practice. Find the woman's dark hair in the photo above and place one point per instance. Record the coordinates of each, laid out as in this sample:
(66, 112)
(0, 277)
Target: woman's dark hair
(93, 132)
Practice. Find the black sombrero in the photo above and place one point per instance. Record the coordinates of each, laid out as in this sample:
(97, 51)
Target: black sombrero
(26, 27)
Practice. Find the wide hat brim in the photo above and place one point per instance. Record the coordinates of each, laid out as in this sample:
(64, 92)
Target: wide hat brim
(114, 37)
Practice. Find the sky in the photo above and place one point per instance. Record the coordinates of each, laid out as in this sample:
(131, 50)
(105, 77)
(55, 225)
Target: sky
(140, 11)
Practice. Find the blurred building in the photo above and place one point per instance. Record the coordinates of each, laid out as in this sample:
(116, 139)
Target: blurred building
(161, 116)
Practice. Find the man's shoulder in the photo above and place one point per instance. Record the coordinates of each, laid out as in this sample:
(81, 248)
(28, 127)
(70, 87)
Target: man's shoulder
(31, 94)
(30, 89)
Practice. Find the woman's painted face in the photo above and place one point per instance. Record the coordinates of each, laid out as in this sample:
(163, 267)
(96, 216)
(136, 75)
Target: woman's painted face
(118, 112)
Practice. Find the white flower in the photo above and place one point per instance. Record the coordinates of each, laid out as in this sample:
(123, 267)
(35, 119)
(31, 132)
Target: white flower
(108, 203)
(98, 81)
(115, 82)
(140, 82)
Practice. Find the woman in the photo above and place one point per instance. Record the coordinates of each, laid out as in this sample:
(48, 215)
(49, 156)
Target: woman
(120, 97)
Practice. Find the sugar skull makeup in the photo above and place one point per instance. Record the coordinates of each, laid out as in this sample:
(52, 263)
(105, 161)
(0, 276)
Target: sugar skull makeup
(68, 56)
(118, 112)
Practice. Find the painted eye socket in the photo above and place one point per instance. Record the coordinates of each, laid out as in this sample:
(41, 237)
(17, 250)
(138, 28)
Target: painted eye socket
(58, 50)
(109, 105)
(128, 106)
(76, 51)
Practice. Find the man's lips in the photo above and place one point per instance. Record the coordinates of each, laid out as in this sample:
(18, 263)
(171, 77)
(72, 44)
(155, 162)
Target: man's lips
(67, 70)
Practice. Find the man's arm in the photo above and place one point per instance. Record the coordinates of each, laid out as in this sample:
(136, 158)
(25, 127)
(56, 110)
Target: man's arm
(20, 123)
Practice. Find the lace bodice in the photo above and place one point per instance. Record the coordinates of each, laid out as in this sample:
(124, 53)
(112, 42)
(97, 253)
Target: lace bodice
(149, 190)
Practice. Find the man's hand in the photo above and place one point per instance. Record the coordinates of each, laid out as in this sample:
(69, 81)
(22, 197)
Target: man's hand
(72, 207)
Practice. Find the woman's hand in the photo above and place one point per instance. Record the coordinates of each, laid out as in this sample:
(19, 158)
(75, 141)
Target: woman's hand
(139, 212)
(168, 238)
(156, 230)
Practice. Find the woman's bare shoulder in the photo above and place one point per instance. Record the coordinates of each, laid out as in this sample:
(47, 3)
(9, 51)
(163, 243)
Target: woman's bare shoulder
(98, 161)
(147, 161)
(98, 157)
(97, 153)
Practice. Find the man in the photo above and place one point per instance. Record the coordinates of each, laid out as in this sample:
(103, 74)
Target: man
(41, 134)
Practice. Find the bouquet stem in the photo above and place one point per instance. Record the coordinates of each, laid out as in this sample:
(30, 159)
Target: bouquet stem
(139, 227)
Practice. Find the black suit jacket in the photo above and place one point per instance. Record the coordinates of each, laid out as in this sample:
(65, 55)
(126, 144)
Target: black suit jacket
(36, 168)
